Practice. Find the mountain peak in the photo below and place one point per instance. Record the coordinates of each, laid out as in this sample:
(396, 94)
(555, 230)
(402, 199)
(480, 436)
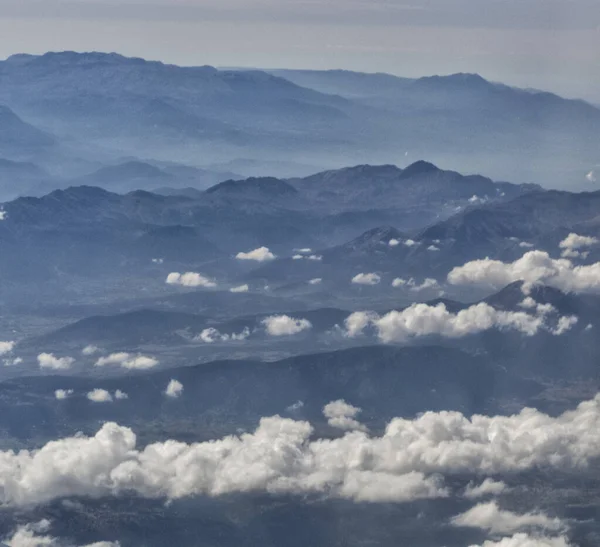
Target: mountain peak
(270, 186)
(417, 168)
(460, 79)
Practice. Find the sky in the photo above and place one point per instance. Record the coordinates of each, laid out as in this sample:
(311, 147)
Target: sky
(546, 44)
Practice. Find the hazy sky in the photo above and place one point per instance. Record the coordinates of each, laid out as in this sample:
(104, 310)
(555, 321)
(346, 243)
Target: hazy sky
(552, 44)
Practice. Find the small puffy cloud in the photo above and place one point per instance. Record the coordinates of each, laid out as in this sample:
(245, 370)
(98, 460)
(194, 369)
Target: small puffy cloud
(284, 325)
(393, 242)
(341, 415)
(12, 362)
(424, 320)
(48, 360)
(190, 279)
(174, 389)
(565, 323)
(90, 350)
(120, 395)
(399, 282)
(591, 176)
(128, 361)
(3, 214)
(410, 243)
(307, 257)
(489, 517)
(211, 335)
(534, 267)
(476, 200)
(297, 257)
(428, 284)
(572, 244)
(262, 254)
(62, 394)
(489, 487)
(366, 279)
(315, 281)
(99, 396)
(6, 347)
(240, 288)
(433, 248)
(525, 245)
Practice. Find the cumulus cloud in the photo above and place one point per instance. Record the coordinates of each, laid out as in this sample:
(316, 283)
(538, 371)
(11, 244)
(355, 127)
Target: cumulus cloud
(410, 243)
(525, 245)
(428, 283)
(407, 462)
(526, 540)
(240, 288)
(48, 360)
(366, 279)
(476, 200)
(90, 350)
(12, 362)
(534, 267)
(128, 361)
(433, 248)
(425, 320)
(572, 244)
(489, 517)
(341, 415)
(99, 396)
(489, 487)
(120, 395)
(591, 176)
(261, 254)
(306, 250)
(190, 279)
(211, 335)
(33, 535)
(174, 389)
(6, 347)
(62, 394)
(315, 281)
(284, 325)
(394, 242)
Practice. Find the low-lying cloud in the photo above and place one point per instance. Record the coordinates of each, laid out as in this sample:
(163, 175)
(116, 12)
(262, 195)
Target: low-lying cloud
(366, 279)
(128, 361)
(284, 325)
(341, 415)
(174, 389)
(534, 267)
(190, 279)
(262, 254)
(35, 534)
(571, 246)
(50, 361)
(211, 335)
(240, 288)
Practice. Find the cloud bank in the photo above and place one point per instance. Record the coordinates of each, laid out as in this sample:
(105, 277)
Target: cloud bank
(534, 267)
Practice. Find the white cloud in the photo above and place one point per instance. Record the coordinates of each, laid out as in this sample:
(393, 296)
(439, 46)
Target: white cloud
(297, 257)
(315, 281)
(533, 267)
(296, 406)
(62, 394)
(309, 257)
(341, 415)
(407, 462)
(489, 517)
(525, 245)
(174, 389)
(410, 243)
(211, 335)
(366, 279)
(525, 540)
(240, 288)
(3, 215)
(261, 254)
(90, 350)
(425, 320)
(284, 325)
(157, 260)
(591, 176)
(489, 487)
(30, 535)
(315, 257)
(190, 279)
(564, 324)
(48, 360)
(306, 250)
(573, 242)
(428, 283)
(120, 395)
(393, 242)
(433, 248)
(12, 362)
(476, 200)
(6, 347)
(128, 361)
(99, 396)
